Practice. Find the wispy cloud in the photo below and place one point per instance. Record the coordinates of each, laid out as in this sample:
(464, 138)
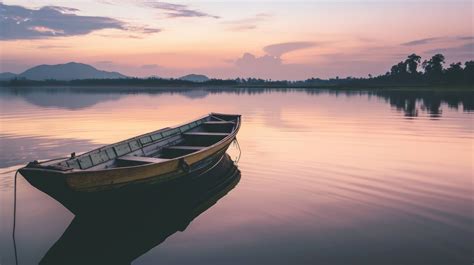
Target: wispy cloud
(52, 47)
(143, 30)
(106, 2)
(421, 41)
(279, 49)
(247, 23)
(467, 48)
(177, 10)
(465, 38)
(17, 22)
(150, 66)
(104, 62)
(437, 40)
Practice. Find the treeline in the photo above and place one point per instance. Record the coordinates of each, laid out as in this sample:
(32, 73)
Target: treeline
(413, 72)
(433, 71)
(410, 72)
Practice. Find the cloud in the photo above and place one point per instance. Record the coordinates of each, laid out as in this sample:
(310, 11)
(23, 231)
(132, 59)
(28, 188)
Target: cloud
(340, 64)
(243, 27)
(104, 62)
(177, 10)
(249, 60)
(366, 39)
(466, 38)
(150, 66)
(421, 41)
(151, 30)
(52, 47)
(373, 60)
(247, 23)
(467, 48)
(18, 22)
(106, 2)
(279, 49)
(270, 65)
(266, 66)
(144, 30)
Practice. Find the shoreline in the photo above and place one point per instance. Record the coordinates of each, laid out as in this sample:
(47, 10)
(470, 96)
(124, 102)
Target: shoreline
(136, 87)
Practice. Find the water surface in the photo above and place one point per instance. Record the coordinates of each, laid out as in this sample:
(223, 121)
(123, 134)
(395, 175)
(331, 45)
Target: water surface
(381, 177)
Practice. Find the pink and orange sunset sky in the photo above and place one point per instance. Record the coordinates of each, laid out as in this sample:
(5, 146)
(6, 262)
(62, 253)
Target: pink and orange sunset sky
(226, 39)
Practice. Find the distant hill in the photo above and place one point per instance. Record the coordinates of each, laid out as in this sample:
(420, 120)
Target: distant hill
(7, 76)
(194, 78)
(68, 71)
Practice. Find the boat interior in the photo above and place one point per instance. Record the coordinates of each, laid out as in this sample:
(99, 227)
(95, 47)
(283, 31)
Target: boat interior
(158, 146)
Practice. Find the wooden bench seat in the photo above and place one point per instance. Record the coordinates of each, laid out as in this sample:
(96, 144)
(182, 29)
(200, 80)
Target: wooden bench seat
(184, 147)
(140, 159)
(219, 122)
(205, 134)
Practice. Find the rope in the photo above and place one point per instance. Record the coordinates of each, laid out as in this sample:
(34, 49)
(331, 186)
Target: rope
(14, 218)
(236, 143)
(14, 206)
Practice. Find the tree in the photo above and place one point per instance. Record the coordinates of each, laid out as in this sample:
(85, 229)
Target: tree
(434, 66)
(412, 62)
(469, 67)
(454, 68)
(398, 69)
(469, 72)
(454, 73)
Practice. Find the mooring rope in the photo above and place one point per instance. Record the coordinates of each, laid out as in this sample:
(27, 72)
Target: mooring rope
(236, 143)
(14, 217)
(14, 205)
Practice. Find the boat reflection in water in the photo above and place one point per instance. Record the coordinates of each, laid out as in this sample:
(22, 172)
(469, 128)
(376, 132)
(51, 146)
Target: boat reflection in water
(119, 229)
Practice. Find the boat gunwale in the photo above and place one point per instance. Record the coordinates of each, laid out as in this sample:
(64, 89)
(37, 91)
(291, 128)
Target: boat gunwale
(172, 160)
(143, 135)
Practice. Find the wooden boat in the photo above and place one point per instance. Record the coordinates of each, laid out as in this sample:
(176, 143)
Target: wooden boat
(122, 232)
(155, 157)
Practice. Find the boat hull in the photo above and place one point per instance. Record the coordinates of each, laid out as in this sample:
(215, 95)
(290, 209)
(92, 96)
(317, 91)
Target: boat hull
(113, 196)
(51, 179)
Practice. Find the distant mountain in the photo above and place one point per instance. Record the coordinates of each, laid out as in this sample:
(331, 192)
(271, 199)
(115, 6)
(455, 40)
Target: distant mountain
(68, 71)
(7, 76)
(195, 78)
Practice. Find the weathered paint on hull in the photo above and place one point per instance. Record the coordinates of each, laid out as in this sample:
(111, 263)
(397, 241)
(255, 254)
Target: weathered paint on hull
(104, 179)
(54, 181)
(114, 197)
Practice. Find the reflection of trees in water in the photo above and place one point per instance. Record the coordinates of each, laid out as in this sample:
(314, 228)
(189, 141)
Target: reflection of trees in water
(410, 101)
(429, 101)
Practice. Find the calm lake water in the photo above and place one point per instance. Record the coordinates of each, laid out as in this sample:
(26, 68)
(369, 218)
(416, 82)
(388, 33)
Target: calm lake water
(326, 178)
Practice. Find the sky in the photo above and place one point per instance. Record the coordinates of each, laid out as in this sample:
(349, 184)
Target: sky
(228, 39)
